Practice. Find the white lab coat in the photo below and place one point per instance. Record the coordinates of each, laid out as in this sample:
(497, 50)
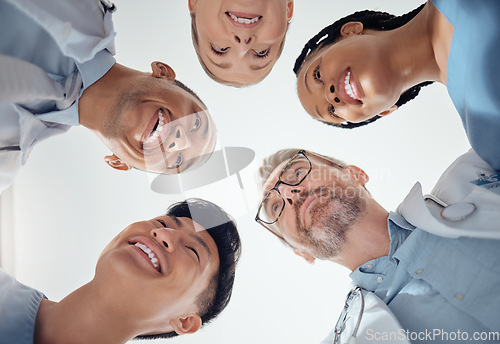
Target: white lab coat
(378, 324)
(78, 36)
(455, 186)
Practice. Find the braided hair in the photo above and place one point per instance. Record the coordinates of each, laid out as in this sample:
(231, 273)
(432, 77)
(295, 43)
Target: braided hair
(374, 20)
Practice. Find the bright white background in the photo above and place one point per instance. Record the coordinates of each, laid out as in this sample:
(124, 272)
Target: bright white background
(68, 204)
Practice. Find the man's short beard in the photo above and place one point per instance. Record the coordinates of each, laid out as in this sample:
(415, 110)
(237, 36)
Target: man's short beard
(114, 126)
(330, 220)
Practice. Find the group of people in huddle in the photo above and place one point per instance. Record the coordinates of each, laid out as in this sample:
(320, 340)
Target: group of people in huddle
(431, 263)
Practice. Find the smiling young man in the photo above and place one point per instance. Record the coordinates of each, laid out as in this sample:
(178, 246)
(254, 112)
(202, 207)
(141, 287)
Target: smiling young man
(239, 41)
(320, 207)
(58, 71)
(156, 279)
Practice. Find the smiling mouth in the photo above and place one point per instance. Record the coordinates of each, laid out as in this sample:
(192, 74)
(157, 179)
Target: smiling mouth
(158, 127)
(157, 131)
(151, 255)
(243, 18)
(350, 89)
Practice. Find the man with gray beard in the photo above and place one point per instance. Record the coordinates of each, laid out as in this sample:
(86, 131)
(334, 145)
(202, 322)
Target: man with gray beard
(424, 261)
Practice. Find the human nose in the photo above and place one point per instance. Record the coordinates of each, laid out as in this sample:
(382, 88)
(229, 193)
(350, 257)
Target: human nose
(292, 193)
(331, 94)
(180, 140)
(166, 237)
(243, 41)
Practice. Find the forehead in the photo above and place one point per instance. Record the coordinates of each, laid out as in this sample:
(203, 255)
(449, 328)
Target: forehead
(187, 223)
(273, 177)
(307, 90)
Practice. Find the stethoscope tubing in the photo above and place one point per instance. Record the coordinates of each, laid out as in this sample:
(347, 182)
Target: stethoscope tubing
(338, 331)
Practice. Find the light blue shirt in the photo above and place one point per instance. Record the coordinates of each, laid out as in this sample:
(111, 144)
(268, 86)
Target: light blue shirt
(63, 38)
(18, 308)
(430, 282)
(473, 78)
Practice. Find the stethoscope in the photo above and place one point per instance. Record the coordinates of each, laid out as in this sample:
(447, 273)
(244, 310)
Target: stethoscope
(339, 327)
(453, 212)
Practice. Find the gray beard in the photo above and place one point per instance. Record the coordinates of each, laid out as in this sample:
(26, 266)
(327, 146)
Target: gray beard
(330, 223)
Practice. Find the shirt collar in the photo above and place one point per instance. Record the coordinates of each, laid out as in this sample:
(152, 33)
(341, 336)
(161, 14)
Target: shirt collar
(399, 230)
(365, 275)
(91, 71)
(95, 69)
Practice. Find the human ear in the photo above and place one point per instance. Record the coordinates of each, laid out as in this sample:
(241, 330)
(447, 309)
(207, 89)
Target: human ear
(289, 10)
(351, 28)
(192, 4)
(116, 163)
(307, 257)
(187, 324)
(388, 111)
(357, 174)
(162, 70)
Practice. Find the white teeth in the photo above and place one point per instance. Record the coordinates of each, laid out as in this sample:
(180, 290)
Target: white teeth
(347, 86)
(158, 129)
(243, 20)
(148, 251)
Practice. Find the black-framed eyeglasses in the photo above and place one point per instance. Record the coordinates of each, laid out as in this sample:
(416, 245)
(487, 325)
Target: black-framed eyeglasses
(294, 173)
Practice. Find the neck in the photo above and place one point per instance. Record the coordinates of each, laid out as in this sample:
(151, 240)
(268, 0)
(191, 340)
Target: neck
(97, 99)
(367, 240)
(83, 316)
(412, 50)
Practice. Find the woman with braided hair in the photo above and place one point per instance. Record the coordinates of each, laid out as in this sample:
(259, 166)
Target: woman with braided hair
(366, 65)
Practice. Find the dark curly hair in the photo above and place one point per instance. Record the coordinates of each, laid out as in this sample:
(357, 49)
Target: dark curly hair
(222, 229)
(374, 20)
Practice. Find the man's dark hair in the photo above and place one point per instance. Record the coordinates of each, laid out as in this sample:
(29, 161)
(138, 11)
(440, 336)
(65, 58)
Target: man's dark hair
(222, 229)
(188, 90)
(374, 20)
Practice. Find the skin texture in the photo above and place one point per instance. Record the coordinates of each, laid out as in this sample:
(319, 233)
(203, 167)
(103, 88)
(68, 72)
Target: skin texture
(122, 108)
(240, 45)
(319, 211)
(128, 296)
(383, 64)
(343, 223)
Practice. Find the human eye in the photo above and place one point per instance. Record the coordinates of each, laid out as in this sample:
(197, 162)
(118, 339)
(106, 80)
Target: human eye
(317, 75)
(299, 173)
(197, 122)
(275, 208)
(331, 112)
(161, 222)
(178, 162)
(194, 251)
(261, 53)
(218, 51)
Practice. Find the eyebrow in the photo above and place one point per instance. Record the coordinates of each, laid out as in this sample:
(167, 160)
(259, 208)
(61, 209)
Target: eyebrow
(223, 65)
(176, 220)
(319, 114)
(255, 67)
(305, 79)
(207, 125)
(202, 242)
